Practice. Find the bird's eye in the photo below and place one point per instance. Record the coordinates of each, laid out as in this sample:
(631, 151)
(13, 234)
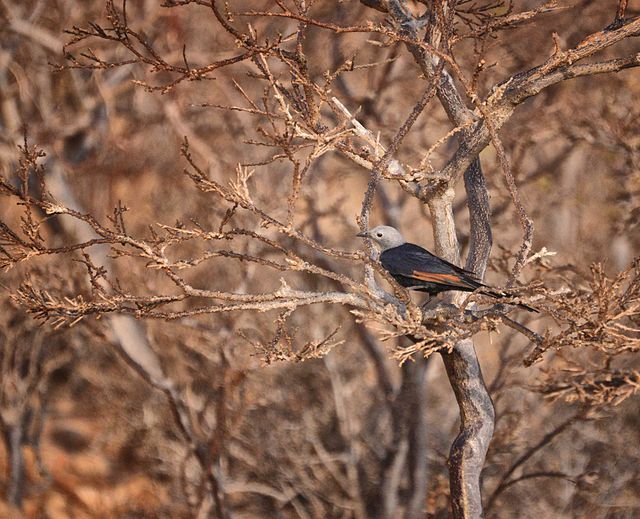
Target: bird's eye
(379, 235)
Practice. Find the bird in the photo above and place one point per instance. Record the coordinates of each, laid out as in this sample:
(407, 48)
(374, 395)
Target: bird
(416, 268)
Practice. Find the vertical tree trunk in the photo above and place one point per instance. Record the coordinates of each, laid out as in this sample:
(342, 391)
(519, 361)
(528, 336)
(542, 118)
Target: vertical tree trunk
(13, 436)
(477, 414)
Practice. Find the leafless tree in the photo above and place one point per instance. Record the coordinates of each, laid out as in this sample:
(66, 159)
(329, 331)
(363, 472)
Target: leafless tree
(272, 247)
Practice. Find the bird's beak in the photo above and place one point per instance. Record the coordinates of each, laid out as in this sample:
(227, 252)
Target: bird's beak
(363, 234)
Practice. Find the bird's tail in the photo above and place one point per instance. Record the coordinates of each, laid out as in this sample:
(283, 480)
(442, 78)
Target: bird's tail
(499, 295)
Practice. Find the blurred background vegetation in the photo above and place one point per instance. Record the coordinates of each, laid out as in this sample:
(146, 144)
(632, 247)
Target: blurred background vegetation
(311, 438)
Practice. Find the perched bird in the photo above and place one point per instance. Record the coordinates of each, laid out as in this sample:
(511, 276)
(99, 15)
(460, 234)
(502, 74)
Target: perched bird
(416, 268)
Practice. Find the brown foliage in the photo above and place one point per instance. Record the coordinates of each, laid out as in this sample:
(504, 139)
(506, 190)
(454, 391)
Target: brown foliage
(159, 297)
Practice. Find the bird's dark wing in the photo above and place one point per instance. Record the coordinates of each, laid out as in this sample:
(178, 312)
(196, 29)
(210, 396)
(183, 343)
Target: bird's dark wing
(416, 268)
(412, 262)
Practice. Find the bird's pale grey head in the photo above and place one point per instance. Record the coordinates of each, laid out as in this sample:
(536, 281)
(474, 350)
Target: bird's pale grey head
(384, 236)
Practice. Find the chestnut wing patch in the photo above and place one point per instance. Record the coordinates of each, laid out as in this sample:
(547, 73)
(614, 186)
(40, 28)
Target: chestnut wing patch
(443, 279)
